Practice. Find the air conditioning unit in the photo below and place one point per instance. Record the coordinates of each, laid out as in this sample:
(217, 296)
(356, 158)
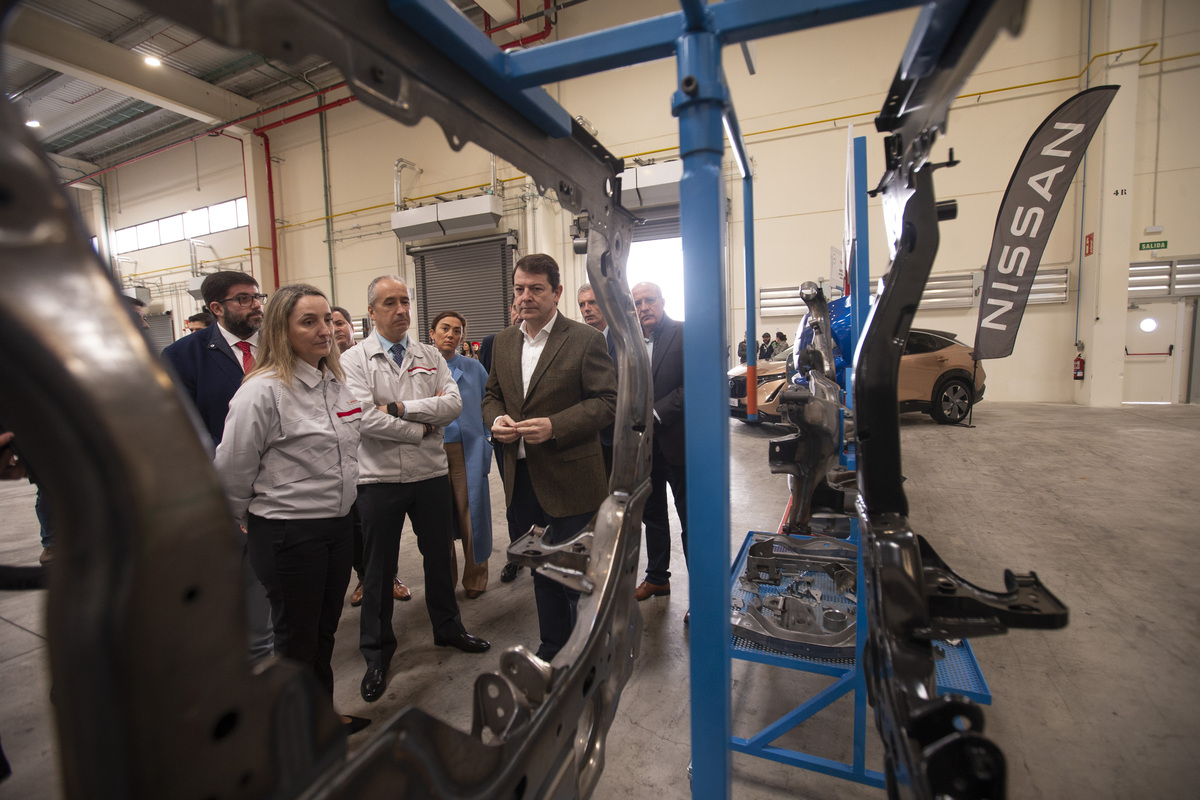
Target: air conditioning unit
(653, 185)
(480, 213)
(138, 293)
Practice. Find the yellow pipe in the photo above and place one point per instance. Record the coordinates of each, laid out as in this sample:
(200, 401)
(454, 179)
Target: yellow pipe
(465, 189)
(385, 205)
(333, 216)
(1141, 62)
(188, 266)
(1165, 60)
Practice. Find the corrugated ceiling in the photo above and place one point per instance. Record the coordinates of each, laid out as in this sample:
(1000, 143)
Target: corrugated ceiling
(102, 126)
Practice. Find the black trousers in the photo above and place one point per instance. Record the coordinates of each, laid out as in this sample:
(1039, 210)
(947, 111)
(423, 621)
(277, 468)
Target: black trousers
(358, 548)
(305, 566)
(657, 520)
(428, 504)
(555, 602)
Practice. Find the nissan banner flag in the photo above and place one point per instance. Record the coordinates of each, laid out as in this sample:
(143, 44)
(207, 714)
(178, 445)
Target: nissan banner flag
(1031, 204)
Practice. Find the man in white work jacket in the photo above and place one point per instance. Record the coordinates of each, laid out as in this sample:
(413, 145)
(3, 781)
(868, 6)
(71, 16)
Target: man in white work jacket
(408, 393)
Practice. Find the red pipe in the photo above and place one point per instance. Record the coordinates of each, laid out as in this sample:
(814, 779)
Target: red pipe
(303, 114)
(487, 21)
(209, 132)
(262, 132)
(271, 208)
(535, 37)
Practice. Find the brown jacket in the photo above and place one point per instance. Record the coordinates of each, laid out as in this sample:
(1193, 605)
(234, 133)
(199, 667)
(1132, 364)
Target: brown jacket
(574, 385)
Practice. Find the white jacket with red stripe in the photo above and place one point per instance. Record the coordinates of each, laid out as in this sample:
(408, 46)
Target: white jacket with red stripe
(395, 450)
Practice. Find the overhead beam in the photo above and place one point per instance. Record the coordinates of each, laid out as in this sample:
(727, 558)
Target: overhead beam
(55, 45)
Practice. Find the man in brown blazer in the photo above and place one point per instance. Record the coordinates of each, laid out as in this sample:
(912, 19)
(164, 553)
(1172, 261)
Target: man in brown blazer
(551, 389)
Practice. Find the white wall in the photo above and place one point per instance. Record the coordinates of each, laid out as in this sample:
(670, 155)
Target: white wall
(205, 172)
(804, 80)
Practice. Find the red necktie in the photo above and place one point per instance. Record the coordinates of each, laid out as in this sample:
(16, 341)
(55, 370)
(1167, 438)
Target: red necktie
(247, 359)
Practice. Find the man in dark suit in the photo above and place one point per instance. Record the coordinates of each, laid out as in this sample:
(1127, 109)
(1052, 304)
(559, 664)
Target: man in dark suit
(664, 341)
(551, 389)
(209, 366)
(593, 315)
(209, 369)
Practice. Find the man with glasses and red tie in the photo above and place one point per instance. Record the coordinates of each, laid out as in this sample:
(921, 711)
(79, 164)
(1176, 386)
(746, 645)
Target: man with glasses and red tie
(209, 366)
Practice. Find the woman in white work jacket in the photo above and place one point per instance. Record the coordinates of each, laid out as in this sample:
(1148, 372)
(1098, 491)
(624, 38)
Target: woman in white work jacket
(288, 462)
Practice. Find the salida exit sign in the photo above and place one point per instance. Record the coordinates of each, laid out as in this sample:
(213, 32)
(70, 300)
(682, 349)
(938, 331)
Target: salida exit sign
(1152, 246)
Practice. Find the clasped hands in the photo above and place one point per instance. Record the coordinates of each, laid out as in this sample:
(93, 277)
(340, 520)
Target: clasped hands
(534, 431)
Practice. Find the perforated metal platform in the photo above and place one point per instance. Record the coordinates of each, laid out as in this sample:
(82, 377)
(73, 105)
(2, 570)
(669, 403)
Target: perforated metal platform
(957, 673)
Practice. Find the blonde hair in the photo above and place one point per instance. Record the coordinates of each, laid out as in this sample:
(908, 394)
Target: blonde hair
(275, 353)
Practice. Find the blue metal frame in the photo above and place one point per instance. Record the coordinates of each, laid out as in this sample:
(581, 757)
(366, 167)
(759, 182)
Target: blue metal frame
(860, 277)
(695, 35)
(751, 290)
(700, 105)
(850, 678)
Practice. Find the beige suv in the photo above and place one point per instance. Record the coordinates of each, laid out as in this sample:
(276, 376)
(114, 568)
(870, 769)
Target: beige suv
(935, 378)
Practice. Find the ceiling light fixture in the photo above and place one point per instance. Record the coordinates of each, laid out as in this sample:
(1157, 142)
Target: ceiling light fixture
(153, 61)
(32, 123)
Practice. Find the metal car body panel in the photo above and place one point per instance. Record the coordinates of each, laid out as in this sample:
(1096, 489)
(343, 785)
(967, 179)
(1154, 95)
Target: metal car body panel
(98, 415)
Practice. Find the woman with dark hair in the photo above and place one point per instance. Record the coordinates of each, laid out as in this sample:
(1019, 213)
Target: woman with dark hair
(470, 457)
(288, 462)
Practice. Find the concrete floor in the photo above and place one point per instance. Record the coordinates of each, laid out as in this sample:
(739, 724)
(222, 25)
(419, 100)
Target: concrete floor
(1102, 503)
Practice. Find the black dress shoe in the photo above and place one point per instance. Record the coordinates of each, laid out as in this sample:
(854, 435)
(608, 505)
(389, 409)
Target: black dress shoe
(465, 642)
(373, 684)
(509, 573)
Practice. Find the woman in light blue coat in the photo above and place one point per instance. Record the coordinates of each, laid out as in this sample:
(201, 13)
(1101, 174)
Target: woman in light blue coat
(469, 454)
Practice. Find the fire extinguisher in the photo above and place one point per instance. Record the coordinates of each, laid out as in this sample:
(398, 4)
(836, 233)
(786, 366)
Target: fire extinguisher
(1079, 367)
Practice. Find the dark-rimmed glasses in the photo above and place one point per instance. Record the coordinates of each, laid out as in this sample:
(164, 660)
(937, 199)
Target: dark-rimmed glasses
(245, 300)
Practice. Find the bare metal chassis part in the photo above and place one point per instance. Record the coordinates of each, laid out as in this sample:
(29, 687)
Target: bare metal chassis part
(934, 745)
(164, 704)
(801, 621)
(766, 565)
(155, 700)
(808, 455)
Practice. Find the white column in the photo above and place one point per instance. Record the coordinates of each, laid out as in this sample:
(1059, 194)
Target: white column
(1104, 277)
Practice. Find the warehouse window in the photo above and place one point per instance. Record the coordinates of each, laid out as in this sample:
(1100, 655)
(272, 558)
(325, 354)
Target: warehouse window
(189, 225)
(473, 277)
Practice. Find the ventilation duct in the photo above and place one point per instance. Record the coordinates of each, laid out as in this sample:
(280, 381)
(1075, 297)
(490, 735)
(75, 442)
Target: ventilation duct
(480, 213)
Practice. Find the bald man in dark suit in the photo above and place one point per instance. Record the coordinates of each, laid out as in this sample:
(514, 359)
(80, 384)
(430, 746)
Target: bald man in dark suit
(551, 389)
(664, 340)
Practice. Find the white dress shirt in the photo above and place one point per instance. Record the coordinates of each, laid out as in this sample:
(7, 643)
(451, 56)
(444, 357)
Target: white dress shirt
(531, 352)
(233, 344)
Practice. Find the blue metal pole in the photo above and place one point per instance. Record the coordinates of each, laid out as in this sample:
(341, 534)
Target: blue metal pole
(860, 296)
(751, 291)
(860, 278)
(700, 104)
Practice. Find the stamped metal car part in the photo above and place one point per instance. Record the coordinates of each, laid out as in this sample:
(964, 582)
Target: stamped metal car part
(772, 557)
(98, 417)
(798, 627)
(808, 455)
(140, 528)
(782, 604)
(934, 745)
